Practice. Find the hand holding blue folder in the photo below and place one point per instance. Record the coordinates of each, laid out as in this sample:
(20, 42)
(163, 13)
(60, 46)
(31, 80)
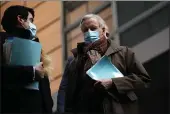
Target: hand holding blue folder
(104, 69)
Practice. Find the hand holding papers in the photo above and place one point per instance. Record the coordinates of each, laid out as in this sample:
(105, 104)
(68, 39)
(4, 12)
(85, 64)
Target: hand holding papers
(104, 69)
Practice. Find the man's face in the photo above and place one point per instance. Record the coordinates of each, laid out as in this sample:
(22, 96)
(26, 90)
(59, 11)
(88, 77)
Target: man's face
(92, 24)
(24, 23)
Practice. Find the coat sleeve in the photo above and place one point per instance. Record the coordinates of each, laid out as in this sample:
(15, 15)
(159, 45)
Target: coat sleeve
(18, 75)
(137, 77)
(62, 89)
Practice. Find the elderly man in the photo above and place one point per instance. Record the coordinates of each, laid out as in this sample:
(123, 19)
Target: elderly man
(111, 96)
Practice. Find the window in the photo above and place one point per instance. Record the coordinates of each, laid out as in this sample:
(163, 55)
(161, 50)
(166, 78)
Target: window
(127, 10)
(146, 28)
(74, 11)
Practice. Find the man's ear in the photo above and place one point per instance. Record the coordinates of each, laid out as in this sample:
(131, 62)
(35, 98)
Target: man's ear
(103, 29)
(20, 19)
(107, 34)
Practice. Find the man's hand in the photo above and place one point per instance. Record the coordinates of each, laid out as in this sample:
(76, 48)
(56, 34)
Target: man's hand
(39, 68)
(94, 56)
(105, 83)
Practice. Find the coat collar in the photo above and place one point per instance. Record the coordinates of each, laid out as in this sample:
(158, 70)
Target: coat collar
(113, 48)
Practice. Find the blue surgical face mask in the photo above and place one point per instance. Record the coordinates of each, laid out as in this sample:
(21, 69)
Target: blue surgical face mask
(91, 36)
(32, 29)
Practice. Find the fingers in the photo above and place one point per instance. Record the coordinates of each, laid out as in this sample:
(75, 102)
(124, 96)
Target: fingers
(94, 56)
(39, 67)
(97, 83)
(41, 63)
(105, 80)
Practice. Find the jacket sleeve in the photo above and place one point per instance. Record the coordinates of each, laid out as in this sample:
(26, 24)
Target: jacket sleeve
(62, 89)
(136, 78)
(18, 75)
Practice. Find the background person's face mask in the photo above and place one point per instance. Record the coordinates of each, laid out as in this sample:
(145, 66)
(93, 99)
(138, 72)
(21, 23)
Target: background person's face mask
(91, 36)
(32, 29)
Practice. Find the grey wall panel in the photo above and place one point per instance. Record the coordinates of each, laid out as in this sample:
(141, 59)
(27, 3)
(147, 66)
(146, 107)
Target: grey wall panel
(127, 10)
(152, 46)
(146, 28)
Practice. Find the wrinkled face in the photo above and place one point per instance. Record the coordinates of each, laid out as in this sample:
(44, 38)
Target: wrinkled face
(24, 23)
(92, 24)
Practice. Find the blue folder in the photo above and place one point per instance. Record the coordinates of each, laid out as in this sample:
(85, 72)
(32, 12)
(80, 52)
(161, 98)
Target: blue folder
(104, 69)
(25, 52)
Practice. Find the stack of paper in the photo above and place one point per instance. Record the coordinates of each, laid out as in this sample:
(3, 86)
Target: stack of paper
(104, 69)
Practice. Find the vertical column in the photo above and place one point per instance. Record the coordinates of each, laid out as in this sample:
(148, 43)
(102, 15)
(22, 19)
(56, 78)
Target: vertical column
(115, 23)
(64, 35)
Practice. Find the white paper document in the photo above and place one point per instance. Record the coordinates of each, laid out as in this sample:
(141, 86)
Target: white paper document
(104, 69)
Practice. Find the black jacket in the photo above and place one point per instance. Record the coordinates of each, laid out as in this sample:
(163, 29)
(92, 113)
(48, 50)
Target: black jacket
(15, 97)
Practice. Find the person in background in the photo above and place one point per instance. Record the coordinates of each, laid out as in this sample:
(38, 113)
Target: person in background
(17, 21)
(82, 94)
(61, 90)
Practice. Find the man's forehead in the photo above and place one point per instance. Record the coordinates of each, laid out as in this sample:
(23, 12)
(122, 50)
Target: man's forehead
(30, 15)
(90, 21)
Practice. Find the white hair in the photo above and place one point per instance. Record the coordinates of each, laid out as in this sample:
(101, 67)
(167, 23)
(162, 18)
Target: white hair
(102, 23)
